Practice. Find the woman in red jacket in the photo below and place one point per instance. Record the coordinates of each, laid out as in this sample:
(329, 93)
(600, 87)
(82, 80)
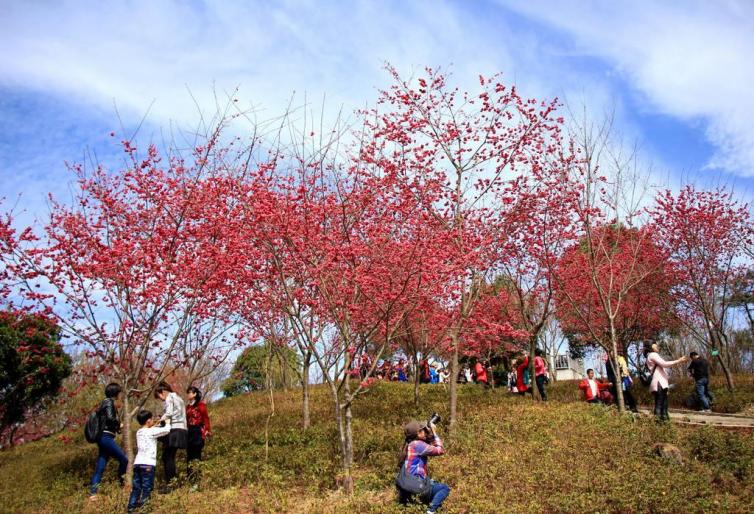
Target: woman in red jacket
(198, 429)
(523, 380)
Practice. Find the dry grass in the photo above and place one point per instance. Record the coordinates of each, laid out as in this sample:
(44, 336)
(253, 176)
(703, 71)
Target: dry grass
(508, 455)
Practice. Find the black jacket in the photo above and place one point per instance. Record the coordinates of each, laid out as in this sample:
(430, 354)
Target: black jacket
(109, 416)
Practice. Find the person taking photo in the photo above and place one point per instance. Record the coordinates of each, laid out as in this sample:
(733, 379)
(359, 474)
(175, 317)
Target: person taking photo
(421, 442)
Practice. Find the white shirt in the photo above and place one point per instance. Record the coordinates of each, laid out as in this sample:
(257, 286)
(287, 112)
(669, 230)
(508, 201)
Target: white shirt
(146, 443)
(175, 412)
(593, 387)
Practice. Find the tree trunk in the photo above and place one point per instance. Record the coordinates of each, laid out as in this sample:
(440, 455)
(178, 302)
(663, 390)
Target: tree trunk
(453, 383)
(305, 422)
(726, 370)
(612, 356)
(268, 379)
(416, 383)
(126, 432)
(717, 344)
(553, 370)
(348, 450)
(533, 355)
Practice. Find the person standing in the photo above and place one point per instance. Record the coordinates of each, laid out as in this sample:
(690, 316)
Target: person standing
(174, 416)
(540, 373)
(699, 370)
(622, 380)
(660, 384)
(108, 448)
(146, 459)
(199, 429)
(523, 380)
(480, 370)
(627, 384)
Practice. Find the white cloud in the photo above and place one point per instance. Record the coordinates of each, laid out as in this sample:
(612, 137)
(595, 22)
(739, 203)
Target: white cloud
(689, 59)
(142, 51)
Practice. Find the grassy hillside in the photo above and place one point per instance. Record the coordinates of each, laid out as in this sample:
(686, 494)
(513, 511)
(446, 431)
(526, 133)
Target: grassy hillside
(509, 455)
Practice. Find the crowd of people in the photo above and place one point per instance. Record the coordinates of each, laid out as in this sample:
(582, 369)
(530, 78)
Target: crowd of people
(185, 424)
(182, 426)
(656, 377)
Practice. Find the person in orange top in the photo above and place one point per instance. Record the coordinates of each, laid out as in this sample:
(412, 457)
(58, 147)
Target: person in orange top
(480, 370)
(592, 388)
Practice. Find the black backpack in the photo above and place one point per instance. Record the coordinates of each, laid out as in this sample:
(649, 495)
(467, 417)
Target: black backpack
(93, 427)
(645, 376)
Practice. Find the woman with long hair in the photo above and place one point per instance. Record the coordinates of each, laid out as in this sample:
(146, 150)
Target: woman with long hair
(173, 416)
(198, 429)
(659, 384)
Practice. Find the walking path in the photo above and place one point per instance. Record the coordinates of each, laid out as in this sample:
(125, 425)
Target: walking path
(701, 418)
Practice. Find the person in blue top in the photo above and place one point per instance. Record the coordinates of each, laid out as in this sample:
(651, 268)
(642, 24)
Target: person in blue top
(434, 377)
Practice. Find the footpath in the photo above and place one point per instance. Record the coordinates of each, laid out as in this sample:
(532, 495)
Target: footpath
(690, 417)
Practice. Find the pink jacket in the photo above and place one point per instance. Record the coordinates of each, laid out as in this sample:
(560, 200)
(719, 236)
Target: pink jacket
(540, 368)
(660, 377)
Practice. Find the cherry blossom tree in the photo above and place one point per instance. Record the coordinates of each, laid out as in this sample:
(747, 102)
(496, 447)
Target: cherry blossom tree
(707, 234)
(134, 271)
(457, 150)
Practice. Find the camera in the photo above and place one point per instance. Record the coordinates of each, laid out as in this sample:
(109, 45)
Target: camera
(434, 419)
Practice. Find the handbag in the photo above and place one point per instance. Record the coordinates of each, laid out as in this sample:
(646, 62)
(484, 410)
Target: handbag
(412, 484)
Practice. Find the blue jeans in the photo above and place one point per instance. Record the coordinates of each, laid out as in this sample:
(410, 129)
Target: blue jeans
(437, 495)
(108, 448)
(434, 498)
(141, 486)
(702, 392)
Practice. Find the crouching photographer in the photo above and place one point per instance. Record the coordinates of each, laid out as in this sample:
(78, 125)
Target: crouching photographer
(413, 478)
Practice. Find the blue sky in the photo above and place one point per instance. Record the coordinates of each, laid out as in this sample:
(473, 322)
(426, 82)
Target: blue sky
(677, 75)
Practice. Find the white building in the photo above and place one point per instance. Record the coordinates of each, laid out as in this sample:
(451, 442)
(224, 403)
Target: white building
(566, 368)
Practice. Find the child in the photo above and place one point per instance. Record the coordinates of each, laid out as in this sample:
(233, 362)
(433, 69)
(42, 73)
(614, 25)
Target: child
(146, 459)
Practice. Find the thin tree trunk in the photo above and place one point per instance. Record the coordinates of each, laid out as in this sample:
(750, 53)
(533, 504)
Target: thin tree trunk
(717, 343)
(453, 383)
(268, 380)
(533, 355)
(126, 432)
(416, 383)
(726, 370)
(306, 421)
(348, 450)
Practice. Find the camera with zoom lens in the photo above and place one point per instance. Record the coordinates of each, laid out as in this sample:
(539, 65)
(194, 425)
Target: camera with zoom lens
(433, 419)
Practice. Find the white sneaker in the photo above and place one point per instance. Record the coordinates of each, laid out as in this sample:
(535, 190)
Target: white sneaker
(706, 410)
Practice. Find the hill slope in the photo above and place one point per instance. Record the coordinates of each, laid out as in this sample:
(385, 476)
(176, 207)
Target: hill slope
(509, 455)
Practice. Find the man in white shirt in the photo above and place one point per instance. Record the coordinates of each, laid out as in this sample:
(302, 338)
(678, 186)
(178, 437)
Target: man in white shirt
(145, 462)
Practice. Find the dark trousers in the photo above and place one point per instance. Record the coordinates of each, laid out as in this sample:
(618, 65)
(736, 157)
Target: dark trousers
(541, 386)
(168, 462)
(193, 453)
(141, 486)
(433, 499)
(661, 403)
(628, 397)
(108, 448)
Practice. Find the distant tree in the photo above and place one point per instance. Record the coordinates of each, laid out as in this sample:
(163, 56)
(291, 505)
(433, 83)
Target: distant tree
(33, 366)
(248, 373)
(708, 236)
